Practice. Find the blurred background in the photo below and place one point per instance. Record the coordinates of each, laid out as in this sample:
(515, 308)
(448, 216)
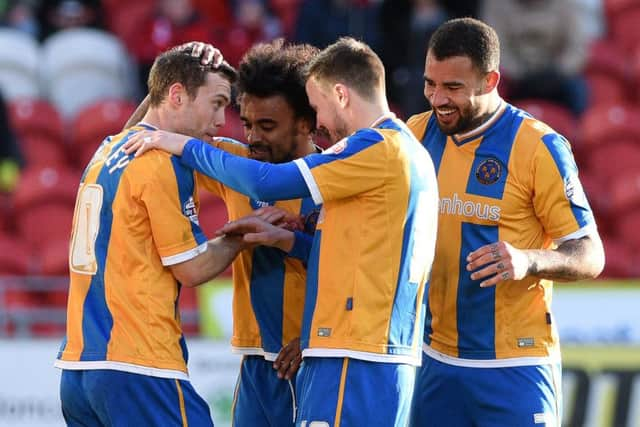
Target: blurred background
(72, 71)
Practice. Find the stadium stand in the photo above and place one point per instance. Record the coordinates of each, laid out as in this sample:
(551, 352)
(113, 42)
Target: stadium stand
(19, 59)
(81, 66)
(95, 122)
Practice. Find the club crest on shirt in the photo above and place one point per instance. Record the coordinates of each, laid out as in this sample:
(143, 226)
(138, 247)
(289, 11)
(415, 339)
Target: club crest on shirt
(489, 171)
(189, 210)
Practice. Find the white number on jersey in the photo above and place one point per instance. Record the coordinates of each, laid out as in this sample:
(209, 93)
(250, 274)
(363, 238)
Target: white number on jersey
(86, 226)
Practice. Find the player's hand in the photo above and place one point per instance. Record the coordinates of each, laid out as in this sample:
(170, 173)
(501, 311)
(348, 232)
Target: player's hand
(208, 54)
(497, 262)
(280, 217)
(146, 140)
(256, 230)
(288, 360)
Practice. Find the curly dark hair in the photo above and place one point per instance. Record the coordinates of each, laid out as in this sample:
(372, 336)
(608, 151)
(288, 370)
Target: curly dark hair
(467, 37)
(276, 68)
(177, 65)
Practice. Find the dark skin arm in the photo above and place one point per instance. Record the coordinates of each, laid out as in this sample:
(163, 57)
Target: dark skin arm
(575, 259)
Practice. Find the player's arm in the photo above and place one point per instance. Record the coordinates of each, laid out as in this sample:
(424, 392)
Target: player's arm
(219, 254)
(259, 180)
(574, 259)
(137, 115)
(562, 208)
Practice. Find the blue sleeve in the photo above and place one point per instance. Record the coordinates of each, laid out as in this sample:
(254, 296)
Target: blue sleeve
(301, 246)
(258, 180)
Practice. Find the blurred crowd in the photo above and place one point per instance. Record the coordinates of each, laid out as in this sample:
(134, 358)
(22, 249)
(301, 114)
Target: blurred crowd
(72, 71)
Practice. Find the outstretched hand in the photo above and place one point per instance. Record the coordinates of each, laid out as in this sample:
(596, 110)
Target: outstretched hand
(257, 231)
(143, 141)
(497, 262)
(288, 360)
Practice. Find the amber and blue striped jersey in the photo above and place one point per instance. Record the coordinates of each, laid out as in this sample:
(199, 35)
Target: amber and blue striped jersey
(268, 285)
(374, 243)
(513, 179)
(133, 218)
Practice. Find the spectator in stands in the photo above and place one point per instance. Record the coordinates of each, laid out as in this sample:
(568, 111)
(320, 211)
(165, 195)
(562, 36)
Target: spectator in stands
(320, 22)
(56, 15)
(406, 26)
(253, 24)
(175, 22)
(21, 15)
(544, 48)
(462, 8)
(10, 156)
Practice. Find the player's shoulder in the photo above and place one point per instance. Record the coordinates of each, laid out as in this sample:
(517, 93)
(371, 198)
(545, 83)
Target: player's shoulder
(418, 123)
(535, 135)
(231, 145)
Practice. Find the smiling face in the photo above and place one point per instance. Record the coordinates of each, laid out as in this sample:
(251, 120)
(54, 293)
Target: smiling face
(458, 93)
(273, 131)
(324, 102)
(202, 116)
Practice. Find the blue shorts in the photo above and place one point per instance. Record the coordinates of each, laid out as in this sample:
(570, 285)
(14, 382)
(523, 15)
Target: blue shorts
(455, 396)
(105, 397)
(261, 398)
(345, 392)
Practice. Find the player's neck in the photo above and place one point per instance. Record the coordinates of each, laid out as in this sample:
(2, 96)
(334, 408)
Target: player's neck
(153, 117)
(368, 114)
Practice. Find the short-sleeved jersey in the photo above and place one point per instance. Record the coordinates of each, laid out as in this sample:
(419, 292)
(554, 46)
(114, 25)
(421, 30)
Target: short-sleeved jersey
(373, 247)
(513, 179)
(132, 219)
(268, 285)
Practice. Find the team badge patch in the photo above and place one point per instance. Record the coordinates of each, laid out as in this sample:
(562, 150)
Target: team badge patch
(189, 210)
(489, 171)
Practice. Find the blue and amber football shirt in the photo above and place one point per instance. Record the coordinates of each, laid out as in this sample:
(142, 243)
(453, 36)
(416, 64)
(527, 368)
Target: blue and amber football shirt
(513, 179)
(268, 285)
(374, 242)
(133, 218)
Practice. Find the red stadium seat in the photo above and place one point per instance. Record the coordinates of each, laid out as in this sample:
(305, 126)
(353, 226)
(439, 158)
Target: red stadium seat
(96, 122)
(613, 158)
(40, 152)
(619, 258)
(624, 26)
(54, 258)
(14, 257)
(36, 118)
(557, 116)
(624, 193)
(43, 204)
(606, 88)
(602, 124)
(628, 229)
(125, 17)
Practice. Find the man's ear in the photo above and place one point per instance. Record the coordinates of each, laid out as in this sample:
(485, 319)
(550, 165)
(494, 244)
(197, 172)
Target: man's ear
(304, 126)
(491, 81)
(341, 92)
(177, 95)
